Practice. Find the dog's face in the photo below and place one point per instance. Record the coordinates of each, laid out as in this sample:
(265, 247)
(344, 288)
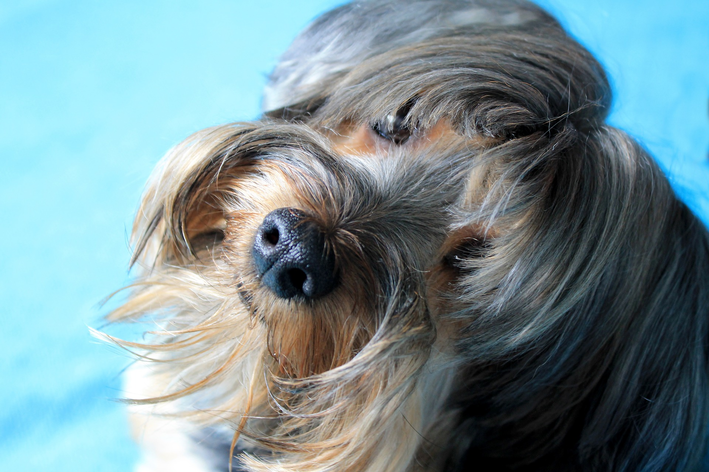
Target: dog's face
(430, 238)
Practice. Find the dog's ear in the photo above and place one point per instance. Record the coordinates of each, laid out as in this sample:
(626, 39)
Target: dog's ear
(652, 407)
(602, 269)
(181, 213)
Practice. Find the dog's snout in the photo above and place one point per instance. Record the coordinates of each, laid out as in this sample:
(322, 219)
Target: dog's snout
(291, 257)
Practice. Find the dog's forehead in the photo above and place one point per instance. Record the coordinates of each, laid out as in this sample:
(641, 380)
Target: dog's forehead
(348, 35)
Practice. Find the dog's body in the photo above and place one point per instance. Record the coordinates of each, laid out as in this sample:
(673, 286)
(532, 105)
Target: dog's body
(430, 254)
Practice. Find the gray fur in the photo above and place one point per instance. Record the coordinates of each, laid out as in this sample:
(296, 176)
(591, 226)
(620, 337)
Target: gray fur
(346, 36)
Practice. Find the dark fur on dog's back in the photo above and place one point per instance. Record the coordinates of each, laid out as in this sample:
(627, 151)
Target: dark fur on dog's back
(516, 286)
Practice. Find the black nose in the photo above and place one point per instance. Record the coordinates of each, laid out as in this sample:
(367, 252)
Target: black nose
(290, 256)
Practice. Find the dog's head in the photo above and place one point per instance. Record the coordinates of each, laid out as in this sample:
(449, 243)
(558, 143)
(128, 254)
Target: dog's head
(431, 231)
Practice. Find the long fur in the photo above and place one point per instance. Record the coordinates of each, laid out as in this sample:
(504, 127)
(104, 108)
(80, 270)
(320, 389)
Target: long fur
(521, 290)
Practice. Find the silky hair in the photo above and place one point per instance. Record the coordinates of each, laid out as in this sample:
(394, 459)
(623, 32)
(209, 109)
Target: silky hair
(525, 293)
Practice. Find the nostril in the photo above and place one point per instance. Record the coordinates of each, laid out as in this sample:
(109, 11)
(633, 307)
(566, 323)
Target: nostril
(297, 279)
(271, 236)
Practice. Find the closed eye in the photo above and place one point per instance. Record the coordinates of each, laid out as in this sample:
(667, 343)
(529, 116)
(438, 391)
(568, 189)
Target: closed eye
(465, 256)
(395, 128)
(207, 241)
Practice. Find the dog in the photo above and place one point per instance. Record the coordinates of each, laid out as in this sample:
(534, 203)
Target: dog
(431, 253)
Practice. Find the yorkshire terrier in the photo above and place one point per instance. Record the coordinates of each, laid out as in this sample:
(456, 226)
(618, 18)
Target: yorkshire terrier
(431, 253)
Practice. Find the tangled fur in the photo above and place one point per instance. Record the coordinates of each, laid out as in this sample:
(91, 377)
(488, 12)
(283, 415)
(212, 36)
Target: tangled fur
(515, 285)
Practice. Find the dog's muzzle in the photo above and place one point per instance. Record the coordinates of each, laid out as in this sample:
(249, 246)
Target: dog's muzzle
(291, 257)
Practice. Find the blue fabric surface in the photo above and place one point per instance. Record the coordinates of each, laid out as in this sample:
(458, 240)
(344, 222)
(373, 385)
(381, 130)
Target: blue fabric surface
(93, 93)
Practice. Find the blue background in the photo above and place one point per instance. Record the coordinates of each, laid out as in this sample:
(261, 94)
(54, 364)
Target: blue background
(93, 93)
